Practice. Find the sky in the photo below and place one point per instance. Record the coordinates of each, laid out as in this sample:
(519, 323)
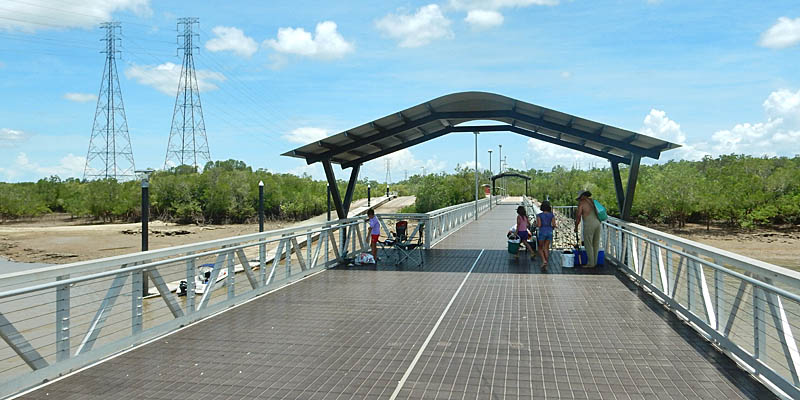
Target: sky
(717, 77)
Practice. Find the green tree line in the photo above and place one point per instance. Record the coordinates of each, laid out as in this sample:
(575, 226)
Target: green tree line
(739, 190)
(225, 192)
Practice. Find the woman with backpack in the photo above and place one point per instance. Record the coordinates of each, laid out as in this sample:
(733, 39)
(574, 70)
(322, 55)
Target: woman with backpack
(587, 213)
(545, 223)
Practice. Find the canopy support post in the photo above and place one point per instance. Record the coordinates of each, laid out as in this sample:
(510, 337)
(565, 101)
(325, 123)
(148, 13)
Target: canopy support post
(351, 186)
(337, 199)
(633, 176)
(618, 186)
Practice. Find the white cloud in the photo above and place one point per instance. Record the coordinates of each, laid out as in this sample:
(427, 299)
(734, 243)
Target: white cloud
(545, 155)
(470, 164)
(306, 135)
(326, 43)
(483, 14)
(779, 135)
(658, 125)
(164, 77)
(484, 19)
(498, 4)
(69, 166)
(566, 74)
(11, 137)
(785, 33)
(33, 15)
(232, 39)
(80, 97)
(418, 29)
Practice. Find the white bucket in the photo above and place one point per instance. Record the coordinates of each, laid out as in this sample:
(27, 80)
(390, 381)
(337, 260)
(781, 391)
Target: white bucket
(567, 259)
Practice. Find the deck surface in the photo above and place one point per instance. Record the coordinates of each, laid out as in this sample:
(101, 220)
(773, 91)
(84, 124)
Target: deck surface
(472, 323)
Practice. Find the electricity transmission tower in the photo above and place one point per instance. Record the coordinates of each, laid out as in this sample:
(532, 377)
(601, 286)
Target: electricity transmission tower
(110, 154)
(188, 144)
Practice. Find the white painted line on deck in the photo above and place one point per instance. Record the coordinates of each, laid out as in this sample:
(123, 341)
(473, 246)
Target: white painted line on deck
(402, 380)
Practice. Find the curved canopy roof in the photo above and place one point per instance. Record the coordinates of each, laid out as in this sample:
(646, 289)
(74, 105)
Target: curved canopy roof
(446, 114)
(511, 174)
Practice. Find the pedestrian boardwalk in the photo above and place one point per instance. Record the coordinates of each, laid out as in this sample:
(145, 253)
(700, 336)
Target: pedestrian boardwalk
(472, 323)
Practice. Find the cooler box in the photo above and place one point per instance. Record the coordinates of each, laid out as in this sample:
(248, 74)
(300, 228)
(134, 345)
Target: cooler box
(567, 258)
(581, 258)
(513, 246)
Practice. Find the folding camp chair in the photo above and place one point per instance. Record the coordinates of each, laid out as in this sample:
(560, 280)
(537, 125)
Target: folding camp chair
(407, 247)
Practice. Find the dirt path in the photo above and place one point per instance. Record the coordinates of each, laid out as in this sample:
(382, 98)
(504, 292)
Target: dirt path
(57, 239)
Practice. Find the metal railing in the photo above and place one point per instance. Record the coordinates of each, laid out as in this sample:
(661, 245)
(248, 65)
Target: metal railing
(747, 308)
(438, 224)
(57, 319)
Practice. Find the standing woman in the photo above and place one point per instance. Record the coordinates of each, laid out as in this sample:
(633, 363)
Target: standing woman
(591, 226)
(545, 222)
(522, 229)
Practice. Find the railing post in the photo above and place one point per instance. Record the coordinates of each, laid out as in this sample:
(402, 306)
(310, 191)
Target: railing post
(190, 274)
(230, 279)
(719, 292)
(759, 323)
(262, 262)
(428, 233)
(136, 301)
(62, 320)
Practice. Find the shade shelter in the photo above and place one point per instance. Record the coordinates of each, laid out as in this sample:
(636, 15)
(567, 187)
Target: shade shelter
(513, 175)
(447, 114)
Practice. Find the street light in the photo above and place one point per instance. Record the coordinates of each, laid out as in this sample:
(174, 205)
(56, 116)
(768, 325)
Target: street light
(490, 177)
(476, 175)
(145, 175)
(261, 206)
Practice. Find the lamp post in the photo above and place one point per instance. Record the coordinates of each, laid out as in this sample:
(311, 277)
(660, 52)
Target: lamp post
(145, 174)
(490, 177)
(369, 195)
(261, 206)
(476, 175)
(500, 159)
(328, 187)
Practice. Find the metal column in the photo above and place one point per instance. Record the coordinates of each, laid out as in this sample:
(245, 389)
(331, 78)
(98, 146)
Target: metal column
(633, 175)
(618, 185)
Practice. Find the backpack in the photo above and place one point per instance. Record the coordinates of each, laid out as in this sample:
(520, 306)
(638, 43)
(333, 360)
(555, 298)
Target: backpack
(602, 214)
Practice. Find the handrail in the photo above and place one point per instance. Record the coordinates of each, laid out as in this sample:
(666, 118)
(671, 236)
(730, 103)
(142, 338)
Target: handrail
(102, 283)
(734, 301)
(46, 336)
(752, 265)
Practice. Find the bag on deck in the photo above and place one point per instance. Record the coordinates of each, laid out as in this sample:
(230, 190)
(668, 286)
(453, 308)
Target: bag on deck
(364, 258)
(602, 214)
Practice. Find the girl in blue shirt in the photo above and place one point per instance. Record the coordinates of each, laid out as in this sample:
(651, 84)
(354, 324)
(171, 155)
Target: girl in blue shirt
(545, 222)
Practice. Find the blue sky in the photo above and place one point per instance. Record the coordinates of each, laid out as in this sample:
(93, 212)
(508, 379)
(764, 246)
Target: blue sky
(718, 77)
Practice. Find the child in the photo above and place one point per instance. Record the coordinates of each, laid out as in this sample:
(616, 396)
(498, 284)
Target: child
(522, 229)
(375, 231)
(545, 221)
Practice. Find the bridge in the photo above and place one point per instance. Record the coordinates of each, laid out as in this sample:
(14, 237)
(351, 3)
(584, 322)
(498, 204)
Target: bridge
(665, 318)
